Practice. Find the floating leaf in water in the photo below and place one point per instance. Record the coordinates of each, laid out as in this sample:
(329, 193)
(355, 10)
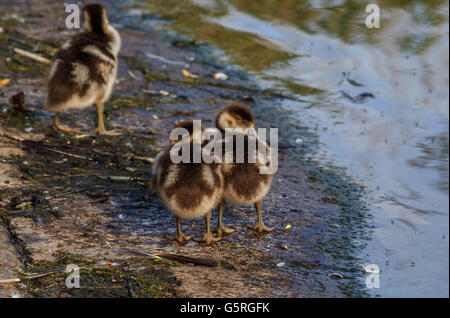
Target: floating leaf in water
(288, 226)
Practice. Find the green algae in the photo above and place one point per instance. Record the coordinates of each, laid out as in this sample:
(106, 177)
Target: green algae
(100, 281)
(127, 101)
(14, 63)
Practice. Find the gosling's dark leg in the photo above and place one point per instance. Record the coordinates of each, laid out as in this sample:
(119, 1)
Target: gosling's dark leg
(260, 227)
(221, 230)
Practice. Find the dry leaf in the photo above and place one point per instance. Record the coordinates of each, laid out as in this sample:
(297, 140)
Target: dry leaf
(4, 82)
(190, 75)
(109, 266)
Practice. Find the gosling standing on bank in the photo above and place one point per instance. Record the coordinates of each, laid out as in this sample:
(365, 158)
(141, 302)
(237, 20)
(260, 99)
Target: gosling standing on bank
(244, 182)
(189, 190)
(85, 69)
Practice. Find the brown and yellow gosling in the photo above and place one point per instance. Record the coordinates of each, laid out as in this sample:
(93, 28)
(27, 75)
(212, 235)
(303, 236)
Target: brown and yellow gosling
(188, 190)
(85, 69)
(244, 184)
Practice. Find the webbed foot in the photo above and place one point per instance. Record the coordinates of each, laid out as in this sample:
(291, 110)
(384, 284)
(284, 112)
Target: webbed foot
(260, 228)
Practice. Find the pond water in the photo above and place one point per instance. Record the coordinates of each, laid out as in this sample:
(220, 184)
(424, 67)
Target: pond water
(377, 100)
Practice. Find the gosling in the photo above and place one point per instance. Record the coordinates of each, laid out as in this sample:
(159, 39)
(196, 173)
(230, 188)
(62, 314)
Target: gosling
(85, 69)
(188, 190)
(244, 184)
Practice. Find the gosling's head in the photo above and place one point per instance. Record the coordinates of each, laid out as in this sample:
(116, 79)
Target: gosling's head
(95, 18)
(235, 116)
(195, 131)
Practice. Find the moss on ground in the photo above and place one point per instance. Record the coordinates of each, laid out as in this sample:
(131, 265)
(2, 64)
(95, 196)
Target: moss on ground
(14, 63)
(102, 279)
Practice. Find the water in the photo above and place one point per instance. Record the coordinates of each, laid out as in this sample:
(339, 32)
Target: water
(393, 139)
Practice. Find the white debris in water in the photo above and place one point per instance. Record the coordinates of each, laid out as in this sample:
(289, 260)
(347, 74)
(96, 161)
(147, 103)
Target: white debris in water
(298, 141)
(29, 129)
(280, 264)
(220, 76)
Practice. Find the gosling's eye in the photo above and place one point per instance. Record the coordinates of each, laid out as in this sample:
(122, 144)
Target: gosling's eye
(229, 122)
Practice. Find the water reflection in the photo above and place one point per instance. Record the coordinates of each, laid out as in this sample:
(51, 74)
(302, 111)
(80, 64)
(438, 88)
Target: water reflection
(395, 144)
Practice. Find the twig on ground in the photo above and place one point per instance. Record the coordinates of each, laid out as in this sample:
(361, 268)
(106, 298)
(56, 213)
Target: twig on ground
(72, 192)
(33, 56)
(32, 276)
(173, 257)
(10, 136)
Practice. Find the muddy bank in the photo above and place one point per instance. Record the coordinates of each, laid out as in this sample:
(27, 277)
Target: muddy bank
(76, 199)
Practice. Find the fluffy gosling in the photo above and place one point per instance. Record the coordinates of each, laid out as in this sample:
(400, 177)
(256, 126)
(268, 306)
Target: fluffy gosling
(244, 184)
(188, 190)
(85, 69)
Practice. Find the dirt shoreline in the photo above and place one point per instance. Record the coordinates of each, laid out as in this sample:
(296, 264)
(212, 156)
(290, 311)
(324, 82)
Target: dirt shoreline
(59, 206)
